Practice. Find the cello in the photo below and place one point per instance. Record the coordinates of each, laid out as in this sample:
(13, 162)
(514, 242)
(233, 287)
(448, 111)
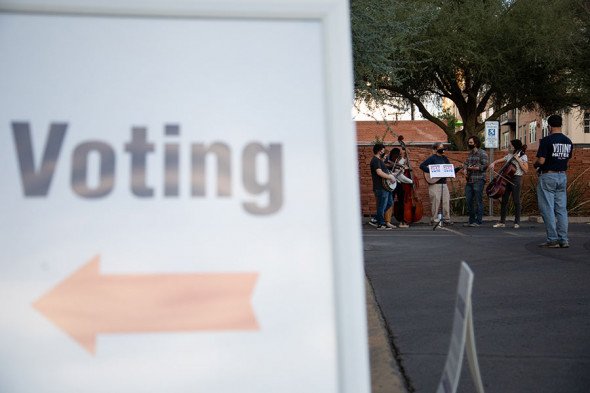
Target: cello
(413, 209)
(504, 176)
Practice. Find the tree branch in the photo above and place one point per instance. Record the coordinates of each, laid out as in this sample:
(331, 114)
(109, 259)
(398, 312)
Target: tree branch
(484, 101)
(427, 115)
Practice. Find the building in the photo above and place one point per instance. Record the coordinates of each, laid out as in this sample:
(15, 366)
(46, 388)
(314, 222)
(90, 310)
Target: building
(530, 127)
(422, 133)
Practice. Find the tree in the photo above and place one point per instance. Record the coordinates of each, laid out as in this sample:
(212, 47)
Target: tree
(478, 53)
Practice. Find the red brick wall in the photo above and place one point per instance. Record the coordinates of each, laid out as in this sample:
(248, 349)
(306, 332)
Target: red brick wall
(578, 164)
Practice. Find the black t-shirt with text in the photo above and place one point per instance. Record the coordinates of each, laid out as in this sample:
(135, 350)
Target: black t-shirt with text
(557, 150)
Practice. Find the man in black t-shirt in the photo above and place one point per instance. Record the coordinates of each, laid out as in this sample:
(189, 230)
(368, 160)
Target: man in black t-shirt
(554, 152)
(383, 197)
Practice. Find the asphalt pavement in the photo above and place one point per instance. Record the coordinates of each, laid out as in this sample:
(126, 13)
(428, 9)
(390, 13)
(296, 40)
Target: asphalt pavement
(531, 305)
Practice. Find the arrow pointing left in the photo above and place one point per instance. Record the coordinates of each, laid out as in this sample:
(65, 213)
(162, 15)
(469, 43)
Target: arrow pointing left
(87, 303)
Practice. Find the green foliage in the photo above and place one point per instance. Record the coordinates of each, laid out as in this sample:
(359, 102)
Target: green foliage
(509, 54)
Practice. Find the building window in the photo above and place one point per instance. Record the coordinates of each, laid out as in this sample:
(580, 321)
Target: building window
(533, 132)
(544, 128)
(505, 138)
(586, 122)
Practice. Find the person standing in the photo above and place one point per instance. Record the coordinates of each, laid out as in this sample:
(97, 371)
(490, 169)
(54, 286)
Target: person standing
(438, 191)
(397, 163)
(383, 197)
(520, 160)
(553, 155)
(475, 167)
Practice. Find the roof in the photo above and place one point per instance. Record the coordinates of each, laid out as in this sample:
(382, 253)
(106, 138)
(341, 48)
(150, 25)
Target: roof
(415, 132)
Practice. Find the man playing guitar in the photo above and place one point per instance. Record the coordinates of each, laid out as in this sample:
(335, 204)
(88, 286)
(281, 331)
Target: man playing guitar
(383, 197)
(438, 191)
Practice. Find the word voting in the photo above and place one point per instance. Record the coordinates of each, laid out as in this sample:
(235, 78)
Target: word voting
(36, 180)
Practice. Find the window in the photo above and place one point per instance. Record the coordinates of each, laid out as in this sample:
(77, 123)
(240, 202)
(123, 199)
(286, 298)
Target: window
(586, 122)
(544, 128)
(532, 131)
(505, 137)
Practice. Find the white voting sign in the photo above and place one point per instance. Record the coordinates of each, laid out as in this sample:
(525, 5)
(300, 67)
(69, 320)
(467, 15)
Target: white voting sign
(171, 219)
(441, 170)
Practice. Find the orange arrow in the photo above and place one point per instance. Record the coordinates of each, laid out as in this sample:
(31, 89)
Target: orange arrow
(87, 303)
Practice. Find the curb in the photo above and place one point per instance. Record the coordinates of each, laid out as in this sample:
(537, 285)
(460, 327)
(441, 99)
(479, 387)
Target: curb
(385, 374)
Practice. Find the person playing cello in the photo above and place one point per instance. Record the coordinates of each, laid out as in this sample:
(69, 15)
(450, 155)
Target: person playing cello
(520, 161)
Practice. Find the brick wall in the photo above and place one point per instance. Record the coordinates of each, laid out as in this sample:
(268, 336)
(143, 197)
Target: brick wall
(578, 164)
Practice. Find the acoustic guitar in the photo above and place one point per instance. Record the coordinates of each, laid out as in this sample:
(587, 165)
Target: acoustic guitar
(430, 180)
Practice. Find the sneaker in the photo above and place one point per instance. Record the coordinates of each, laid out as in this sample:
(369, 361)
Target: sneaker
(373, 222)
(473, 225)
(549, 245)
(500, 225)
(564, 245)
(467, 224)
(383, 227)
(516, 226)
(403, 225)
(390, 225)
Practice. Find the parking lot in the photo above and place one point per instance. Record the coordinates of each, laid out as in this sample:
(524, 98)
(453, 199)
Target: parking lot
(531, 305)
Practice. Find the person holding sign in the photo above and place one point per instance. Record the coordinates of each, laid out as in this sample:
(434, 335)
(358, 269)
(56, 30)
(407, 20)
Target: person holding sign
(438, 191)
(475, 168)
(519, 159)
(383, 197)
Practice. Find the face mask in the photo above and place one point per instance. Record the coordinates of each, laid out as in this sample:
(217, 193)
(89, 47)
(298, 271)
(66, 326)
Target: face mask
(382, 155)
(441, 151)
(471, 146)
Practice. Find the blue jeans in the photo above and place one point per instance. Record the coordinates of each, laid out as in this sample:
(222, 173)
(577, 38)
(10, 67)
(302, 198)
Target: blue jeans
(384, 201)
(552, 200)
(474, 196)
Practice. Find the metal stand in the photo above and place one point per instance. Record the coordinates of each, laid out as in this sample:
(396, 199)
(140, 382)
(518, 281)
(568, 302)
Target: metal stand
(440, 209)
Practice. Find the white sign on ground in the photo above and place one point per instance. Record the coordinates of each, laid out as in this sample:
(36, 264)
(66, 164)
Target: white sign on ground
(461, 335)
(171, 217)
